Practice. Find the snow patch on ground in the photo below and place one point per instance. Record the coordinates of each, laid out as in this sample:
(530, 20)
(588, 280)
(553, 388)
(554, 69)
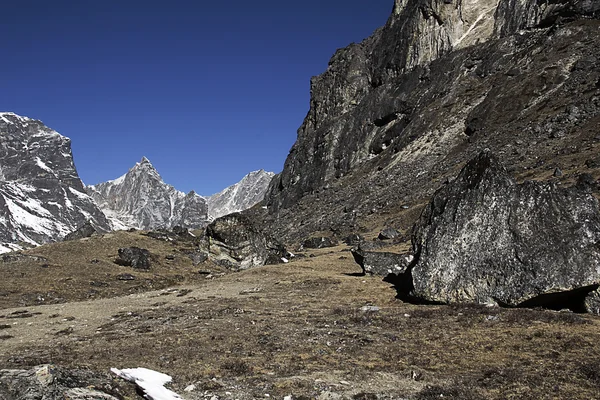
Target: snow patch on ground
(151, 382)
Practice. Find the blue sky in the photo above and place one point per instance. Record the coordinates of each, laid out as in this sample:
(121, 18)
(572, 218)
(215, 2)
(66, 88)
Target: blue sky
(208, 91)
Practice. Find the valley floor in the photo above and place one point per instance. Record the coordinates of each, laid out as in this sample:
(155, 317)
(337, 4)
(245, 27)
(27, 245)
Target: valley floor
(302, 329)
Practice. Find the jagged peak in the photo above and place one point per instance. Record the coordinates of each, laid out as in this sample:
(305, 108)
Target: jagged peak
(14, 115)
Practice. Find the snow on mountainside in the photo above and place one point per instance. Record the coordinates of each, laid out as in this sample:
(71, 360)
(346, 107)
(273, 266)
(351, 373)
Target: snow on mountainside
(240, 196)
(141, 199)
(42, 198)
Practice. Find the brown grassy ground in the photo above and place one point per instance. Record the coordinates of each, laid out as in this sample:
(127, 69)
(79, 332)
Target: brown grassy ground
(298, 329)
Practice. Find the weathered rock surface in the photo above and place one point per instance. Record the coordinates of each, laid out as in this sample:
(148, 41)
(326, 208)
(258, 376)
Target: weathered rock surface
(134, 257)
(396, 115)
(42, 198)
(141, 199)
(49, 382)
(84, 231)
(320, 242)
(381, 263)
(485, 239)
(388, 234)
(240, 196)
(235, 242)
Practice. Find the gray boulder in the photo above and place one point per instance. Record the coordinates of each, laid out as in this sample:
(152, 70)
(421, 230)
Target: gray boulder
(485, 239)
(235, 242)
(381, 263)
(134, 257)
(388, 234)
(84, 231)
(320, 242)
(48, 382)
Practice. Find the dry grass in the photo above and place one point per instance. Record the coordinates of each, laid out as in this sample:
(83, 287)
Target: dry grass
(85, 269)
(299, 329)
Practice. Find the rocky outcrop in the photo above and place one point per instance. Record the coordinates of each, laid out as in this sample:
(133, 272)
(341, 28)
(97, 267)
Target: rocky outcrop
(49, 382)
(381, 263)
(485, 239)
(516, 15)
(236, 243)
(240, 196)
(141, 199)
(319, 242)
(42, 198)
(396, 115)
(84, 231)
(134, 257)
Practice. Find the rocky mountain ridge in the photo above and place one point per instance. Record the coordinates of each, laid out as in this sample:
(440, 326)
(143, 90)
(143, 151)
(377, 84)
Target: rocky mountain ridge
(141, 199)
(395, 116)
(249, 191)
(42, 198)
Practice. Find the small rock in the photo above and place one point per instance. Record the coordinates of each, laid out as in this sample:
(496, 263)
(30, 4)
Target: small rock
(353, 240)
(125, 277)
(558, 173)
(388, 234)
(190, 388)
(369, 309)
(319, 243)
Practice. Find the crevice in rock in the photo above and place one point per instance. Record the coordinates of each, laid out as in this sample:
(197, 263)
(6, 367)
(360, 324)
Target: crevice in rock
(383, 121)
(573, 300)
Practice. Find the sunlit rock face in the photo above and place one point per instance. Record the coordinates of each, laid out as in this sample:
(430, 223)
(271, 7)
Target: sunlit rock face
(396, 114)
(141, 199)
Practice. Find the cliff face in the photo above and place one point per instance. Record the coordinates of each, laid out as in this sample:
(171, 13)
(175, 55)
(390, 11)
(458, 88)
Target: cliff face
(42, 198)
(394, 115)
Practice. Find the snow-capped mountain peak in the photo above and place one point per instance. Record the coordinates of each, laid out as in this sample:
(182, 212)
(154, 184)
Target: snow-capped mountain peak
(141, 199)
(240, 196)
(41, 196)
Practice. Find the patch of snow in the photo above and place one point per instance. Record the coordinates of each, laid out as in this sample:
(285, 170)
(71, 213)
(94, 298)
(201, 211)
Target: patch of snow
(43, 165)
(8, 247)
(79, 194)
(151, 382)
(119, 180)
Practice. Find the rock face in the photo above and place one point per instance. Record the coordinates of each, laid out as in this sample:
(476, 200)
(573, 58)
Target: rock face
(241, 196)
(395, 115)
(236, 243)
(42, 198)
(49, 382)
(140, 199)
(485, 239)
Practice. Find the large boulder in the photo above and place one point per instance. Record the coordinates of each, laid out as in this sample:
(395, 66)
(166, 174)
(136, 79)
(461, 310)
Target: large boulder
(381, 263)
(134, 257)
(486, 239)
(236, 243)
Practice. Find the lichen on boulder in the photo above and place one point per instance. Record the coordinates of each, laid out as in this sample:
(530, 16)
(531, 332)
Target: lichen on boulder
(486, 239)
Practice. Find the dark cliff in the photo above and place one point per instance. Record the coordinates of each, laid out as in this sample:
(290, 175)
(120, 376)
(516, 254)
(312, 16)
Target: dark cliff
(395, 115)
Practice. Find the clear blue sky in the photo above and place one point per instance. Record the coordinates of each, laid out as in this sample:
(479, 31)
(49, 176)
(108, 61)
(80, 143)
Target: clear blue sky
(207, 90)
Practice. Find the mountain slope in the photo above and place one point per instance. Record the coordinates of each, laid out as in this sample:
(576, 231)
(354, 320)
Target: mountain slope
(140, 199)
(42, 198)
(240, 196)
(395, 116)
